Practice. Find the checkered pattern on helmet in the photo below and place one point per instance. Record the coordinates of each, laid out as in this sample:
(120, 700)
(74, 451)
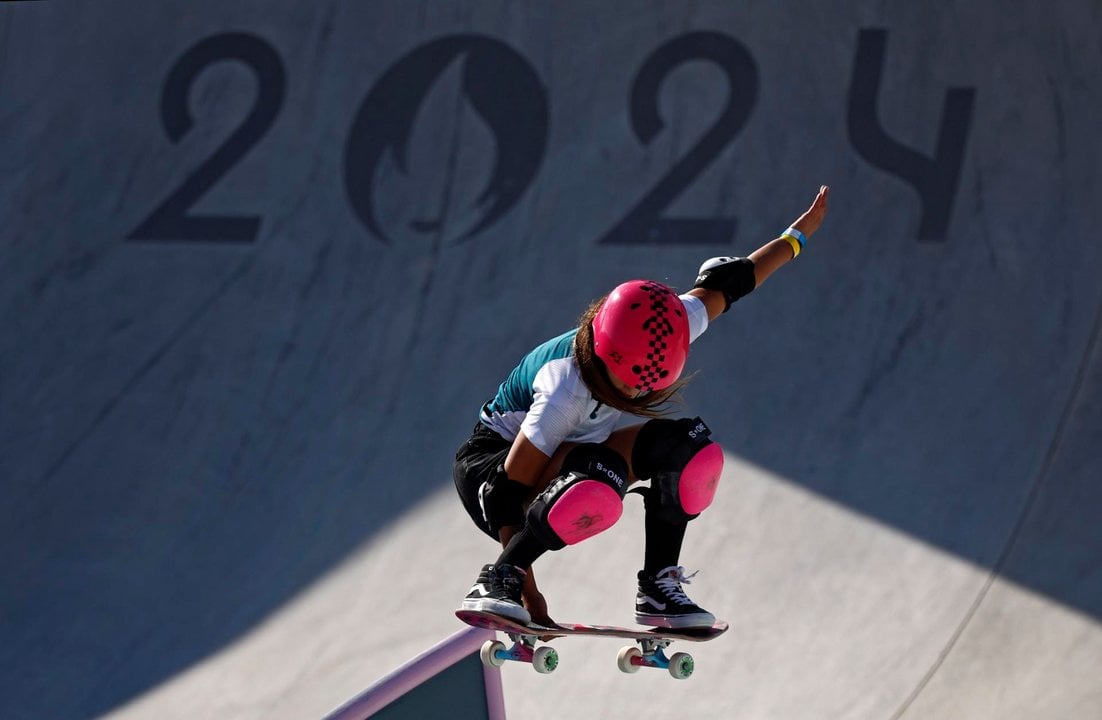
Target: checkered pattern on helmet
(659, 327)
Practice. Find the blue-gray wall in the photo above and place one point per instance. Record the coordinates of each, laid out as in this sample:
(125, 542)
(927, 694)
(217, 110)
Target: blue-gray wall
(261, 262)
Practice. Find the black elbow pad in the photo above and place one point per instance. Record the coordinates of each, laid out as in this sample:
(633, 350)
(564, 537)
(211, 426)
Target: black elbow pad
(734, 277)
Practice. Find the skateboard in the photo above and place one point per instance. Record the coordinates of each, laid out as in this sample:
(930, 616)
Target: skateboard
(649, 650)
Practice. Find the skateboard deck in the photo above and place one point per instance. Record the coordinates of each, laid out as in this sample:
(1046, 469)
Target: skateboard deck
(649, 650)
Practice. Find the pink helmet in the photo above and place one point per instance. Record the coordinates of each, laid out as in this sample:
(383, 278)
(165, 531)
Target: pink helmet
(642, 334)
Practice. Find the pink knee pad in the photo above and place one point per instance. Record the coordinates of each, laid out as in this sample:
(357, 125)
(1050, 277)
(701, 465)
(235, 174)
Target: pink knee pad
(585, 509)
(700, 478)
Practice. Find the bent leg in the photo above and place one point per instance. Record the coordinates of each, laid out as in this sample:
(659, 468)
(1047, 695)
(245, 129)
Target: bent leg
(682, 462)
(684, 467)
(585, 499)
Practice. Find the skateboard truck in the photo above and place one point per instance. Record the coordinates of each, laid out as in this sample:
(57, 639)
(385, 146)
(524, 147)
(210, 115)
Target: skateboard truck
(542, 659)
(652, 653)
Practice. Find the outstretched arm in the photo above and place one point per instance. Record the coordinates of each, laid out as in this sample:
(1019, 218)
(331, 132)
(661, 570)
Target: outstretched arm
(718, 291)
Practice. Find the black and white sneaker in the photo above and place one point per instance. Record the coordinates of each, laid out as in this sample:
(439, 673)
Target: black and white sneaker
(497, 591)
(662, 603)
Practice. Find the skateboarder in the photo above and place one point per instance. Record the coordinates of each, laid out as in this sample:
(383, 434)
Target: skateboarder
(544, 467)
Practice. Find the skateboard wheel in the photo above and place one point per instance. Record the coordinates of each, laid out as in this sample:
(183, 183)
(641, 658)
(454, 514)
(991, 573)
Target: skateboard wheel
(681, 665)
(625, 657)
(545, 660)
(489, 653)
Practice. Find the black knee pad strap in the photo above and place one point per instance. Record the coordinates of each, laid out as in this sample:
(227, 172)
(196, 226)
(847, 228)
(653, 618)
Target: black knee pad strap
(661, 499)
(668, 445)
(598, 462)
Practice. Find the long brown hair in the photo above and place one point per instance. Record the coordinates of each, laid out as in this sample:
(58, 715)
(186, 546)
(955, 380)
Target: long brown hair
(595, 374)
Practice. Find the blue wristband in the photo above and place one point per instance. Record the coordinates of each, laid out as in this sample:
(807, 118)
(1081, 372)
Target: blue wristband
(793, 232)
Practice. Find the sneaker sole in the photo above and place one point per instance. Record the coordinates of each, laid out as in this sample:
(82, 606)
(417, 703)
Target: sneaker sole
(508, 610)
(679, 622)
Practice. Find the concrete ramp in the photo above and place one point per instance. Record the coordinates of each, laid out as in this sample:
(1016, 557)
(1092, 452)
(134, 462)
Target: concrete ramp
(263, 262)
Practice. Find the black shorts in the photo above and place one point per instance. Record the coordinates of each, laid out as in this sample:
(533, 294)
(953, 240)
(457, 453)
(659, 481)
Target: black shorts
(475, 463)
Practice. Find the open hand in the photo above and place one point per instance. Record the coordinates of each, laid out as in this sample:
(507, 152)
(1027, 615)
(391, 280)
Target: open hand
(810, 221)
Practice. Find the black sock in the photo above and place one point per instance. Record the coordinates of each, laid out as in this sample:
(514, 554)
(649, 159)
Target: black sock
(523, 549)
(663, 542)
